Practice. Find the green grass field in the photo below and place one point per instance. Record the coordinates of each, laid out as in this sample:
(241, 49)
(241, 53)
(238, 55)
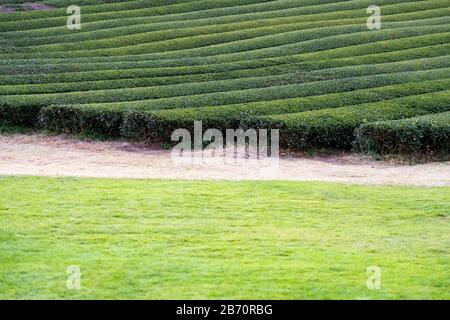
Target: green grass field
(138, 69)
(221, 240)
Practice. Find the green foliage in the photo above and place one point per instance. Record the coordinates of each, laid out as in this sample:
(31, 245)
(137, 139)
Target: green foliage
(7, 128)
(158, 125)
(364, 51)
(149, 32)
(289, 43)
(70, 119)
(336, 127)
(418, 135)
(287, 35)
(107, 17)
(57, 18)
(136, 112)
(170, 86)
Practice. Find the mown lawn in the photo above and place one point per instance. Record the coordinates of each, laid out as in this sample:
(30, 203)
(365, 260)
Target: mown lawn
(233, 240)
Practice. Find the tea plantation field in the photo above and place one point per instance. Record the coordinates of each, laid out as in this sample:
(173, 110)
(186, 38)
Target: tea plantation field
(312, 68)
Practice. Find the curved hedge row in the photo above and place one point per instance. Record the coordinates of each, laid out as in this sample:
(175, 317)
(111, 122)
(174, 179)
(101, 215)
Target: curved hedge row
(159, 125)
(89, 6)
(278, 8)
(215, 33)
(264, 46)
(336, 127)
(365, 49)
(225, 81)
(164, 31)
(242, 67)
(105, 29)
(183, 11)
(418, 135)
(238, 96)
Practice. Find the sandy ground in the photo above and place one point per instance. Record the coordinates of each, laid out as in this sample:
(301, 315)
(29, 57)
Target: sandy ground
(40, 155)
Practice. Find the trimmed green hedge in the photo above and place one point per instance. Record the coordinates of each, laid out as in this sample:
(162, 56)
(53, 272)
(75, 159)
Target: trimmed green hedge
(224, 81)
(134, 34)
(288, 43)
(238, 69)
(220, 62)
(211, 44)
(89, 6)
(183, 11)
(336, 127)
(76, 119)
(165, 12)
(228, 97)
(418, 135)
(158, 125)
(11, 106)
(207, 9)
(112, 28)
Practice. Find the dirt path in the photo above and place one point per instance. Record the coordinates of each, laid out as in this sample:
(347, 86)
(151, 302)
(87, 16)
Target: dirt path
(58, 156)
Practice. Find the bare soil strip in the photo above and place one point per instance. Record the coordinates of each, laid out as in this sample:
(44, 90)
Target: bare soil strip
(40, 155)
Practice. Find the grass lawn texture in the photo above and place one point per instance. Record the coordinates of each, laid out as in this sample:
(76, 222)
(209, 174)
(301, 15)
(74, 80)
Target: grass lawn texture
(136, 239)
